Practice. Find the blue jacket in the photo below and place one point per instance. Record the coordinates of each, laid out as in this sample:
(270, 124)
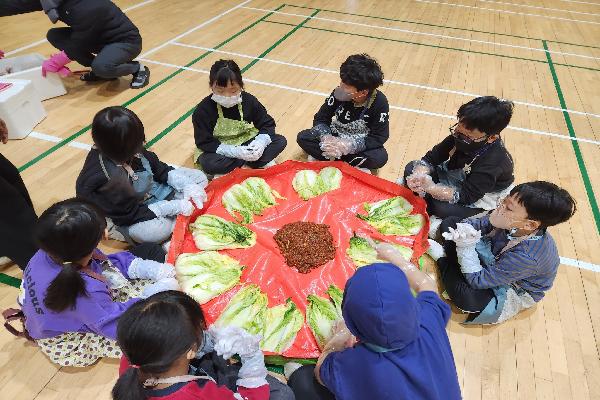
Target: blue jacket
(403, 350)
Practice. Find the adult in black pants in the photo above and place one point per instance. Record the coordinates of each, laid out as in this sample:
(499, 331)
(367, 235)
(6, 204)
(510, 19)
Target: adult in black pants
(17, 216)
(471, 169)
(353, 123)
(99, 35)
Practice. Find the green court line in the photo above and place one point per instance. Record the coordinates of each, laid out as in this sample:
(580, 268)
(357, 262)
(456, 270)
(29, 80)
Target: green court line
(10, 280)
(434, 46)
(584, 174)
(142, 94)
(442, 26)
(246, 68)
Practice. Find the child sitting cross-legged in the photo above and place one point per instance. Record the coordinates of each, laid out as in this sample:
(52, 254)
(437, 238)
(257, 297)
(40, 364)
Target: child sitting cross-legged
(140, 195)
(502, 263)
(73, 294)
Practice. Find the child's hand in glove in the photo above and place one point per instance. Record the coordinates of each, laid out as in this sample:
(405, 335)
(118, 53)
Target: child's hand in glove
(465, 235)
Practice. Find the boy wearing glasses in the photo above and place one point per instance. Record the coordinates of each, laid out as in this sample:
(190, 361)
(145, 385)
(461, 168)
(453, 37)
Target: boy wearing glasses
(470, 169)
(504, 262)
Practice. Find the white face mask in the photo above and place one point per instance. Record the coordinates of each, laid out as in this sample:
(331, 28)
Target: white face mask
(499, 218)
(227, 101)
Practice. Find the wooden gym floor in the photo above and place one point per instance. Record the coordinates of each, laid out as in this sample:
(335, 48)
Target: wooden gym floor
(436, 55)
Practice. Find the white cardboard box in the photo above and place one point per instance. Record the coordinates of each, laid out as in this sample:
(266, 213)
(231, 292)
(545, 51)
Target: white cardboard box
(29, 67)
(20, 107)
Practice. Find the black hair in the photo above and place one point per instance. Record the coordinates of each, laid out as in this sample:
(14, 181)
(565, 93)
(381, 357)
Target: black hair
(224, 71)
(545, 202)
(361, 71)
(118, 133)
(68, 231)
(153, 334)
(488, 114)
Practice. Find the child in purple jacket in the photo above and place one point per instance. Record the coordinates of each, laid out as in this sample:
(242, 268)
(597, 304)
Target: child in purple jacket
(73, 294)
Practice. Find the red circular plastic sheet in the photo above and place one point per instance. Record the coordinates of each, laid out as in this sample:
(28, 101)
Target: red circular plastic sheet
(264, 264)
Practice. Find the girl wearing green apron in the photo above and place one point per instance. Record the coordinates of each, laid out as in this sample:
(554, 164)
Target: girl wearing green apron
(232, 128)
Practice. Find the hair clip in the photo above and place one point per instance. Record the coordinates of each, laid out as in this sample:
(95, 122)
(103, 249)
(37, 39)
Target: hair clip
(150, 382)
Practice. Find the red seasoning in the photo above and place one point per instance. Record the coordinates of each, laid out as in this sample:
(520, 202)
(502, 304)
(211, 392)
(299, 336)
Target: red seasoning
(305, 245)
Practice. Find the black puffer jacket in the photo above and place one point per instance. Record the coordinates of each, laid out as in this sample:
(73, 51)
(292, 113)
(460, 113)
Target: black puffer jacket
(96, 23)
(14, 7)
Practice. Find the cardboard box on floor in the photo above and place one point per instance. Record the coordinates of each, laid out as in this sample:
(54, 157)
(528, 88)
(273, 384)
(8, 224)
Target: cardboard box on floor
(29, 67)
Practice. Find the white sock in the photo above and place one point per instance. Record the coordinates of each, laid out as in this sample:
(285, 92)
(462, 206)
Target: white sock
(400, 181)
(435, 250)
(289, 368)
(311, 158)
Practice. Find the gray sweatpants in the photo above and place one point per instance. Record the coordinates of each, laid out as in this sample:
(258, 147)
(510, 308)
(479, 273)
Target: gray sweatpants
(157, 230)
(110, 61)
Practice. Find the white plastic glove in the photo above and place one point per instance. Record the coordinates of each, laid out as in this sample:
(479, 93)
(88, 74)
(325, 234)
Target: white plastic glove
(415, 182)
(337, 147)
(170, 208)
(195, 193)
(420, 181)
(341, 338)
(160, 286)
(114, 278)
(233, 340)
(208, 344)
(465, 235)
(417, 279)
(230, 340)
(150, 269)
(240, 152)
(425, 184)
(421, 167)
(179, 178)
(321, 130)
(329, 147)
(260, 143)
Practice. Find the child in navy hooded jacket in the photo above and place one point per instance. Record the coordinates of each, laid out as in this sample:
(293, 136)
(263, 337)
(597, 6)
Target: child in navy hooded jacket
(402, 351)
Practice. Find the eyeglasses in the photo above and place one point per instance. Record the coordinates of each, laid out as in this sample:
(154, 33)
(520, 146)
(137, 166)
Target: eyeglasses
(464, 138)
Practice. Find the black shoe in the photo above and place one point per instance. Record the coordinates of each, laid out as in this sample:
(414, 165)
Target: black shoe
(92, 77)
(140, 78)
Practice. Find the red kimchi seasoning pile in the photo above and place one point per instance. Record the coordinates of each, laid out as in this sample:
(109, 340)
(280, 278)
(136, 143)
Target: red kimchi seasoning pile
(305, 245)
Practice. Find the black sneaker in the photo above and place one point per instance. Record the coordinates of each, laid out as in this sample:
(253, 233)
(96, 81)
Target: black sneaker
(92, 77)
(140, 78)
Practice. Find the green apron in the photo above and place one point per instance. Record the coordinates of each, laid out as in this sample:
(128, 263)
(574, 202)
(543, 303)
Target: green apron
(230, 131)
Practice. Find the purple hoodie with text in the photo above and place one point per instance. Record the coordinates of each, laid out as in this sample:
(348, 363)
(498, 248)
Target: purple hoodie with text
(93, 313)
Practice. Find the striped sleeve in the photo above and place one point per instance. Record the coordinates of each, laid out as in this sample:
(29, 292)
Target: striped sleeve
(481, 224)
(511, 267)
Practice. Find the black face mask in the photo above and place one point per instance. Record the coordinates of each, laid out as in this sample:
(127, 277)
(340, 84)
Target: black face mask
(468, 148)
